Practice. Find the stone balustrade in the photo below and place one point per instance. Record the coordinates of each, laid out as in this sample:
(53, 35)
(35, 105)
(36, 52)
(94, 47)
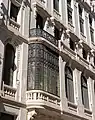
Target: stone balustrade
(43, 98)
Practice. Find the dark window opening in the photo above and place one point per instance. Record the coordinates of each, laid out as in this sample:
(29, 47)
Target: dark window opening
(69, 15)
(14, 12)
(80, 11)
(8, 65)
(69, 84)
(92, 34)
(72, 45)
(84, 54)
(90, 20)
(81, 20)
(94, 61)
(57, 34)
(4, 116)
(39, 22)
(81, 25)
(56, 5)
(84, 90)
(69, 2)
(91, 29)
(69, 11)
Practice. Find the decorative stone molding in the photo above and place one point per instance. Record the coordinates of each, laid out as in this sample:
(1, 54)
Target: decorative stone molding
(31, 115)
(35, 11)
(46, 24)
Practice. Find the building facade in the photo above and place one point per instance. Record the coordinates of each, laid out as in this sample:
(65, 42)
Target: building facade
(47, 59)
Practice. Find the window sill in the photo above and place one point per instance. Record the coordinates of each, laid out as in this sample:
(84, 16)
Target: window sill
(56, 14)
(72, 106)
(82, 36)
(71, 27)
(87, 112)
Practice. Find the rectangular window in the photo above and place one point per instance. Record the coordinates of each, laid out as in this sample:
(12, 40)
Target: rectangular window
(14, 12)
(56, 5)
(84, 54)
(72, 45)
(69, 10)
(57, 34)
(39, 22)
(81, 24)
(4, 116)
(92, 34)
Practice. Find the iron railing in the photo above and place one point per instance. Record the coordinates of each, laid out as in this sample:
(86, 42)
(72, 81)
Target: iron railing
(37, 32)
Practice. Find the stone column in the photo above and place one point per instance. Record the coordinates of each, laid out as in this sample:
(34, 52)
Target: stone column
(64, 105)
(64, 13)
(76, 19)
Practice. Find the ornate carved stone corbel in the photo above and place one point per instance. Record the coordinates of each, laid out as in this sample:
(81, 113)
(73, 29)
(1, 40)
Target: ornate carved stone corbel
(32, 114)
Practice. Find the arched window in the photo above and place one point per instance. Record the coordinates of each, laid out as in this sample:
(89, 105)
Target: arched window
(84, 90)
(8, 65)
(69, 84)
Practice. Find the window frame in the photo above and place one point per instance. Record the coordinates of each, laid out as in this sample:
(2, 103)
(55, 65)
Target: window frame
(67, 81)
(56, 5)
(84, 87)
(11, 68)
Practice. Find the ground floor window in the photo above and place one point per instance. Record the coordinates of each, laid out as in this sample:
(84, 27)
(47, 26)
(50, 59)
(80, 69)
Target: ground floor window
(4, 116)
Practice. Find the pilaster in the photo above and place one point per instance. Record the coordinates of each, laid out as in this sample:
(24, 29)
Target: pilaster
(62, 64)
(76, 19)
(78, 98)
(90, 92)
(23, 72)
(64, 14)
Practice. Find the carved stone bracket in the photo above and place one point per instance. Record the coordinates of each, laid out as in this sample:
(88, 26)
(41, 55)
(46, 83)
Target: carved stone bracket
(31, 115)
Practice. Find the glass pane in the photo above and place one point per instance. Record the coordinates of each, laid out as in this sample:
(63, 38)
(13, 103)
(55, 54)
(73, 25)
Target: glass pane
(85, 98)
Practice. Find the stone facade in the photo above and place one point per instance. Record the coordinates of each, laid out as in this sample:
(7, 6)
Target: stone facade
(52, 69)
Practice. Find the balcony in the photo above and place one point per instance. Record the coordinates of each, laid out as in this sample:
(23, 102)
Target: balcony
(9, 92)
(37, 32)
(56, 14)
(39, 2)
(39, 98)
(14, 24)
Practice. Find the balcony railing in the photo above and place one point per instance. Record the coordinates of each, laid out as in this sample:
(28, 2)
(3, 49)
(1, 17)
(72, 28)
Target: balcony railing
(38, 97)
(9, 92)
(37, 32)
(41, 2)
(56, 14)
(14, 24)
